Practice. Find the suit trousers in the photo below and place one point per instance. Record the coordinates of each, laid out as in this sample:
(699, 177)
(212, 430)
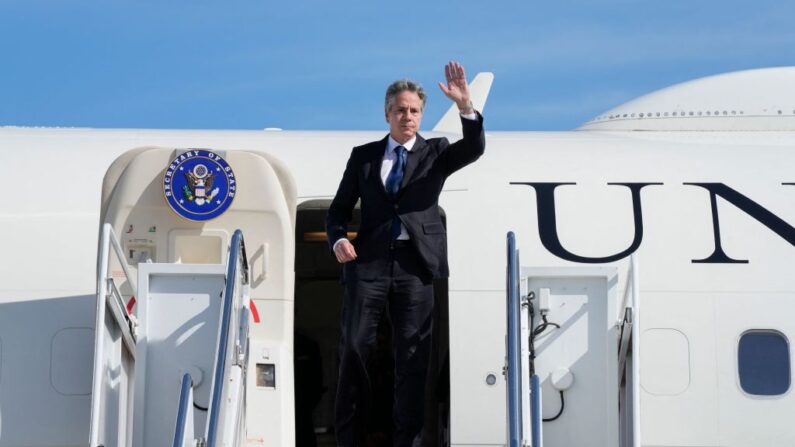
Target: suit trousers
(407, 290)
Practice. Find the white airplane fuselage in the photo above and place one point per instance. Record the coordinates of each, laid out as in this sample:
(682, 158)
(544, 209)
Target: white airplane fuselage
(709, 215)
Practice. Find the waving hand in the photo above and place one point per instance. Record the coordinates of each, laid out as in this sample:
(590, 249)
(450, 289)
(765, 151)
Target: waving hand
(456, 89)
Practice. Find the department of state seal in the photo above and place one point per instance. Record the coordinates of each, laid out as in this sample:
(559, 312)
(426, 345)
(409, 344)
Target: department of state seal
(199, 185)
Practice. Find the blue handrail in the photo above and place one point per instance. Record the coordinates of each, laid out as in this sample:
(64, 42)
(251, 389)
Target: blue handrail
(237, 254)
(182, 411)
(514, 372)
(535, 409)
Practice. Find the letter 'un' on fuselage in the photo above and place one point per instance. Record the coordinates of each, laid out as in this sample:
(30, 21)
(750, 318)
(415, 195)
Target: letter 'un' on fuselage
(548, 231)
(548, 226)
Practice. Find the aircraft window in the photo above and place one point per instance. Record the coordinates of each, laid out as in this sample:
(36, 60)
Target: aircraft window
(764, 363)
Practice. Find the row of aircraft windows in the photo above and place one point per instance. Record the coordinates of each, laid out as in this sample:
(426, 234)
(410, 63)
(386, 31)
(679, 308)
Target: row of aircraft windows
(682, 113)
(764, 363)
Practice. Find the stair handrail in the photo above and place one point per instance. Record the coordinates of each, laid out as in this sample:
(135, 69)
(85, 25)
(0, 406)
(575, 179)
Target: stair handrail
(237, 256)
(108, 296)
(513, 346)
(629, 341)
(537, 419)
(183, 430)
(625, 321)
(636, 434)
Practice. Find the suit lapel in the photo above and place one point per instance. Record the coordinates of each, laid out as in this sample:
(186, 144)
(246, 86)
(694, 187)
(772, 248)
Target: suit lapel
(376, 160)
(413, 158)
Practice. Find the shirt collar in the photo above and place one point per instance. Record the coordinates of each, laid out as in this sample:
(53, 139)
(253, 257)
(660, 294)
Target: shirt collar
(391, 144)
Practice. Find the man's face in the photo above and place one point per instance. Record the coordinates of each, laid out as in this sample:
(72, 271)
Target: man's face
(404, 116)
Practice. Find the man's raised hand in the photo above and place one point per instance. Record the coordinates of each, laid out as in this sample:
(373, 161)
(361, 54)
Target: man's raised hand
(456, 89)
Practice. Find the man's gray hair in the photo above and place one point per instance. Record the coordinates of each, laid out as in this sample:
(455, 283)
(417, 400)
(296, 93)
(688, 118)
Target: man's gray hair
(403, 85)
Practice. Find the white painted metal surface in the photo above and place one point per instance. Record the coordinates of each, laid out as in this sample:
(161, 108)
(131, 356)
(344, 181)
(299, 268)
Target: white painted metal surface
(758, 99)
(583, 302)
(234, 433)
(179, 310)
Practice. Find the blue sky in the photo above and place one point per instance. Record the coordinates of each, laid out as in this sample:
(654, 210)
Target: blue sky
(324, 65)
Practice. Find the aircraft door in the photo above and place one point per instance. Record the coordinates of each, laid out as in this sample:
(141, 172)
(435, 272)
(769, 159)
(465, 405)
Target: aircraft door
(575, 348)
(179, 208)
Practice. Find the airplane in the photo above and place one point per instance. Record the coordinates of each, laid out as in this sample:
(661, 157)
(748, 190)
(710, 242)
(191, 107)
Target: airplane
(628, 283)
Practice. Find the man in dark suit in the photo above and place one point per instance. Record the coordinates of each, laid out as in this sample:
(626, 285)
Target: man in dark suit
(401, 246)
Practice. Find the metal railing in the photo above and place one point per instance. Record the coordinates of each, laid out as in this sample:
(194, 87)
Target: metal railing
(109, 298)
(183, 430)
(635, 352)
(523, 395)
(630, 342)
(237, 268)
(537, 418)
(513, 346)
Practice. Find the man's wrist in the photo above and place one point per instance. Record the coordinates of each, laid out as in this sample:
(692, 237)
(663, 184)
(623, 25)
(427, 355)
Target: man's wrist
(337, 242)
(466, 108)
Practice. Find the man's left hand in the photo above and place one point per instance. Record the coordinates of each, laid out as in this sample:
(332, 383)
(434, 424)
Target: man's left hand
(457, 88)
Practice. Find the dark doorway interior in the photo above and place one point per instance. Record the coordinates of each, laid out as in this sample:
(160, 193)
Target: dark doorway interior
(318, 306)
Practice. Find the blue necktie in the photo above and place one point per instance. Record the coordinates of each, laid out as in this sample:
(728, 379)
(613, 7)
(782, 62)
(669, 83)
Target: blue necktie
(393, 181)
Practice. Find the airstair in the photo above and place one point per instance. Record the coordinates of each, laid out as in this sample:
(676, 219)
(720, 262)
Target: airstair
(194, 326)
(192, 323)
(567, 337)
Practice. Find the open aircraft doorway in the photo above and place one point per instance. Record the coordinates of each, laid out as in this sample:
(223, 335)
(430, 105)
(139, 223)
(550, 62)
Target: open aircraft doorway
(318, 308)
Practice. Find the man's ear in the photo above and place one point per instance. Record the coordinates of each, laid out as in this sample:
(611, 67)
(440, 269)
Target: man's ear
(386, 115)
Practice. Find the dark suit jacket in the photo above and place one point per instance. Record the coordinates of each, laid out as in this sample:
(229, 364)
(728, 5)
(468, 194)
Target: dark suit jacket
(427, 166)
